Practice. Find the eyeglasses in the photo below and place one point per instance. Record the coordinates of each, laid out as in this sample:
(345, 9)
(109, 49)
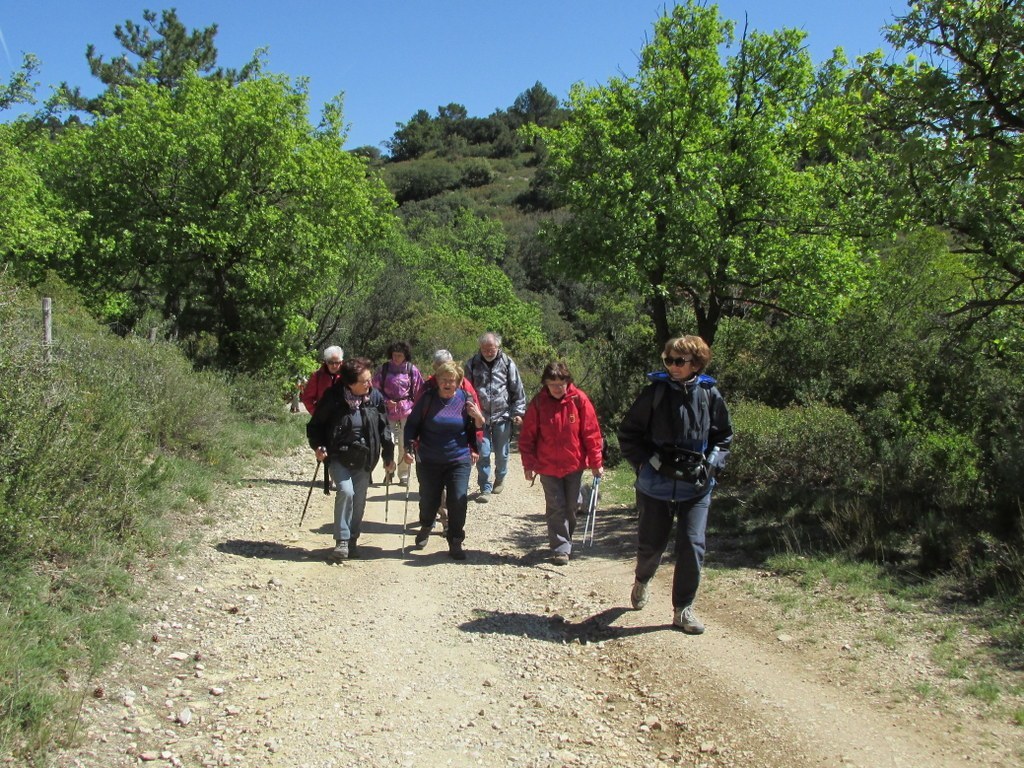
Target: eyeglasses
(677, 361)
(334, 362)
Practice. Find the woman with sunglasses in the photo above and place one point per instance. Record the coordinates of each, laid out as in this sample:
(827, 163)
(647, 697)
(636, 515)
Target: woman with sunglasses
(676, 435)
(559, 439)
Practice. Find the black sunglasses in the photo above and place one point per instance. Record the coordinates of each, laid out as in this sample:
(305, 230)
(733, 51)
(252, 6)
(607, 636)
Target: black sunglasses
(679, 361)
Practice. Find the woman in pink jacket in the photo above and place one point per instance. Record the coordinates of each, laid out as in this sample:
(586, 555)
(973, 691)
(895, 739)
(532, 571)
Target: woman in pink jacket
(559, 439)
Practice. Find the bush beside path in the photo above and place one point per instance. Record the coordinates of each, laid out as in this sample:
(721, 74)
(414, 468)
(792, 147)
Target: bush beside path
(257, 652)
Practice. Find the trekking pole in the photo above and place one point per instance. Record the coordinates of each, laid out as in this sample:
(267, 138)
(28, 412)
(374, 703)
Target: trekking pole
(312, 485)
(405, 517)
(592, 512)
(387, 494)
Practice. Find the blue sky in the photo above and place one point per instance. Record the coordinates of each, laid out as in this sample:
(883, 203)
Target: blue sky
(392, 59)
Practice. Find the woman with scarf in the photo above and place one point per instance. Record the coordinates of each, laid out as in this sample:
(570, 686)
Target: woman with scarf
(677, 436)
(350, 431)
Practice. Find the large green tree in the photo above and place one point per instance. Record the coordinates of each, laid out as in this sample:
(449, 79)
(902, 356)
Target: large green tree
(953, 112)
(219, 207)
(700, 181)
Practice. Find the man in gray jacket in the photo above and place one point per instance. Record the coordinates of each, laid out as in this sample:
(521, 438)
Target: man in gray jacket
(503, 401)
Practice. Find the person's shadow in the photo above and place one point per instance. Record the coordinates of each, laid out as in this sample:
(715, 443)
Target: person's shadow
(555, 629)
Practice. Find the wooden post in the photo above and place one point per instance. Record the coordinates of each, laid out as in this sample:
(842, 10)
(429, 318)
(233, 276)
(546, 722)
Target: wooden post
(47, 328)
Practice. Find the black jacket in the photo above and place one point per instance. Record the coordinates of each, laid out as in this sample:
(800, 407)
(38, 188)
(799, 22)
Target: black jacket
(669, 415)
(331, 427)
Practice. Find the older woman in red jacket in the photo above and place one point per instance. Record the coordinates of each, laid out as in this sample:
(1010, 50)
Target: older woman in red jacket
(560, 438)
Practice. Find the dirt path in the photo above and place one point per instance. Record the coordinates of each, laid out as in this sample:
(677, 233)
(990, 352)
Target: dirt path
(258, 653)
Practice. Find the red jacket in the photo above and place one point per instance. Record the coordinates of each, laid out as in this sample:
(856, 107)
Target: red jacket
(317, 385)
(560, 437)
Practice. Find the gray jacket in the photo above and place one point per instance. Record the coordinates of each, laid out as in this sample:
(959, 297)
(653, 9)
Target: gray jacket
(499, 387)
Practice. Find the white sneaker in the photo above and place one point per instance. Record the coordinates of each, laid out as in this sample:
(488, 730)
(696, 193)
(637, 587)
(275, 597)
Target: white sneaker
(687, 620)
(640, 595)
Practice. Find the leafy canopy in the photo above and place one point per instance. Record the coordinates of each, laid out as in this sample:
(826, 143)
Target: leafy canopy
(219, 207)
(691, 182)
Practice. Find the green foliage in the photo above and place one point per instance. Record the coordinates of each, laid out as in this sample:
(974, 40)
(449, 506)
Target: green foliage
(33, 225)
(20, 88)
(214, 205)
(689, 182)
(100, 446)
(475, 173)
(800, 447)
(422, 179)
(160, 52)
(949, 132)
(458, 270)
(452, 133)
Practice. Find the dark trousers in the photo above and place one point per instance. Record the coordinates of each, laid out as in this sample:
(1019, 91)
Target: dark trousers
(453, 479)
(653, 531)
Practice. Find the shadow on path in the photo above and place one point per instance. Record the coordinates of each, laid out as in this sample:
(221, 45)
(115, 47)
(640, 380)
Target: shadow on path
(268, 550)
(556, 629)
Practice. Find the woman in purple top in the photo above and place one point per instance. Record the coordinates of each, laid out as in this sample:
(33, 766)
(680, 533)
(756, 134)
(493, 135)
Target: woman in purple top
(442, 427)
(399, 381)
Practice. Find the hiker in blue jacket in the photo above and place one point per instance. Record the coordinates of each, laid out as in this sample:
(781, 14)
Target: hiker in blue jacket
(676, 436)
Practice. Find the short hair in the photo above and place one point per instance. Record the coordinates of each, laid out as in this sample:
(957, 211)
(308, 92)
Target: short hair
(694, 346)
(334, 352)
(556, 369)
(353, 368)
(400, 346)
(450, 368)
(441, 356)
(496, 337)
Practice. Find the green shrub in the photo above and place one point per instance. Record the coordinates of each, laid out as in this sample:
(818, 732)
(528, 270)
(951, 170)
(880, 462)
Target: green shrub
(420, 179)
(476, 173)
(808, 447)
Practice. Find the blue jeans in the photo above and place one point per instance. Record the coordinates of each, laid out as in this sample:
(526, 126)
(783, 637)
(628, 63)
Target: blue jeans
(453, 479)
(349, 500)
(560, 497)
(496, 440)
(653, 531)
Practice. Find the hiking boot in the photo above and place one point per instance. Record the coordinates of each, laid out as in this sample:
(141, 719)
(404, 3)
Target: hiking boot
(640, 595)
(353, 550)
(422, 536)
(483, 497)
(687, 620)
(455, 550)
(339, 553)
(560, 558)
(498, 487)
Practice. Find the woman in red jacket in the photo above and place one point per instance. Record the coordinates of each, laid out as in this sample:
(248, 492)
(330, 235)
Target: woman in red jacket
(559, 439)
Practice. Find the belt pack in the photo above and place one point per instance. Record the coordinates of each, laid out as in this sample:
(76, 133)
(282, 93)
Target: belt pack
(353, 455)
(687, 466)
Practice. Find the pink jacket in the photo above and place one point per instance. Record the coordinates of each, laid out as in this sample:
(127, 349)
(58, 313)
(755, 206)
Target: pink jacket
(400, 385)
(560, 437)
